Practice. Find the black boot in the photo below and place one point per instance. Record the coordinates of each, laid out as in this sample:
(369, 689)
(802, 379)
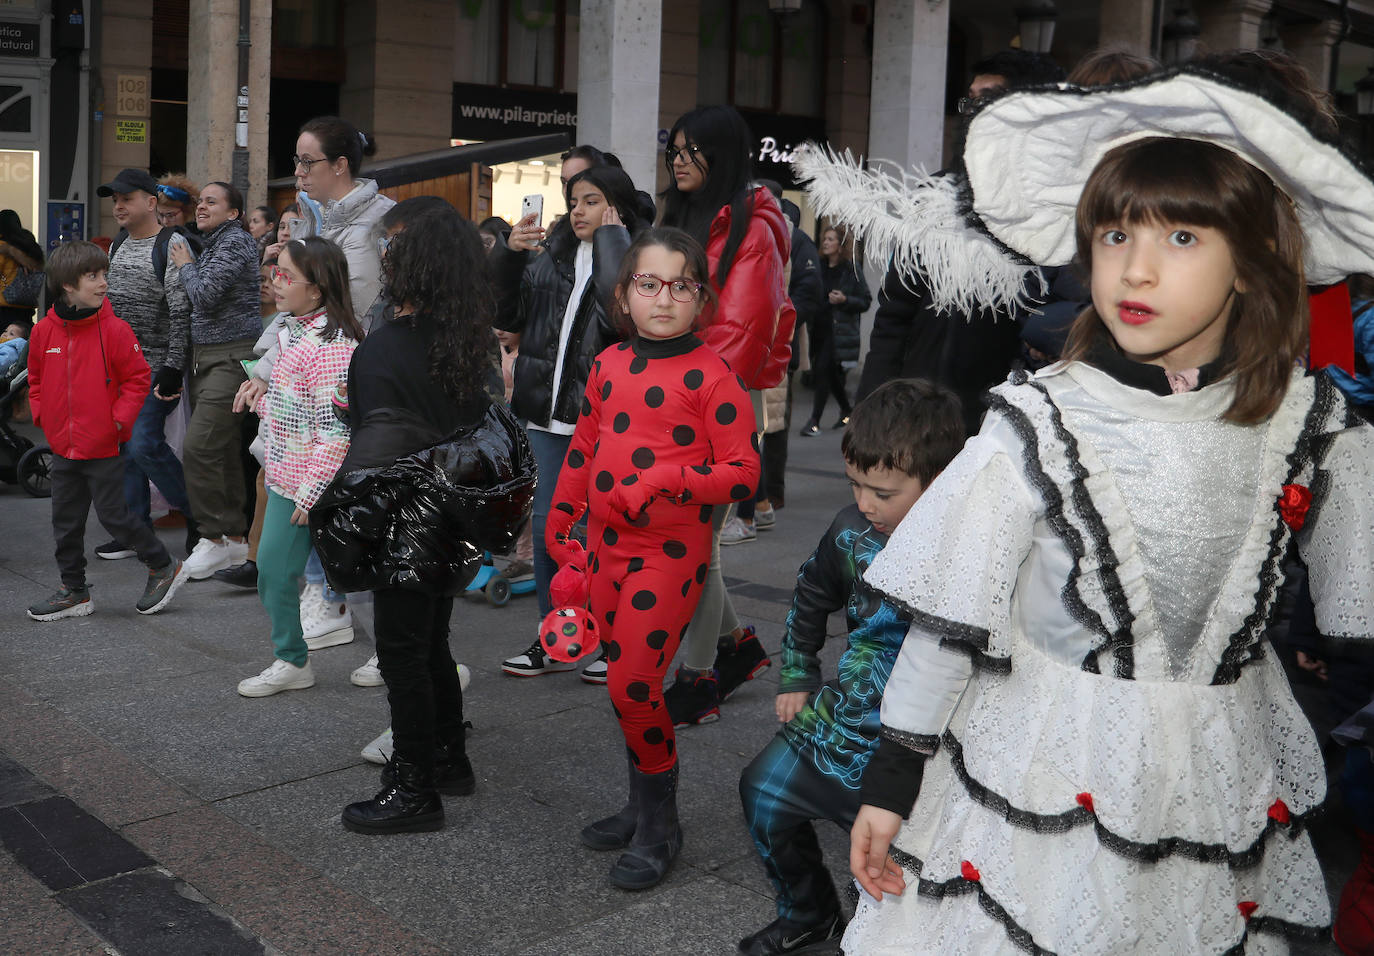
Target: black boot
(658, 837)
(409, 804)
(453, 776)
(615, 832)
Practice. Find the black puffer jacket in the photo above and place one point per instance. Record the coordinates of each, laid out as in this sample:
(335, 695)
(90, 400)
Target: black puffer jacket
(848, 278)
(533, 296)
(394, 517)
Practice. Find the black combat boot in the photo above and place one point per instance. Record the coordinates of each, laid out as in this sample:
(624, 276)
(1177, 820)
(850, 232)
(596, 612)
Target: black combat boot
(408, 804)
(657, 838)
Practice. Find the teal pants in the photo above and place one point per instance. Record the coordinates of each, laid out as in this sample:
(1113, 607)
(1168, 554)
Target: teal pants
(282, 553)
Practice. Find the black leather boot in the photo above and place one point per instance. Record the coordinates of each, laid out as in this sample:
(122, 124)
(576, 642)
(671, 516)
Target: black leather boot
(409, 804)
(657, 838)
(615, 832)
(453, 776)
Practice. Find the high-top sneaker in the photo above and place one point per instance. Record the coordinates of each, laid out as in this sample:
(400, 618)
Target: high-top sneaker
(738, 661)
(409, 804)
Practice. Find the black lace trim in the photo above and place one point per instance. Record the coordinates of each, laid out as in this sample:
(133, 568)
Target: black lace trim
(1120, 845)
(925, 744)
(1054, 514)
(1022, 938)
(955, 636)
(1121, 643)
(1244, 646)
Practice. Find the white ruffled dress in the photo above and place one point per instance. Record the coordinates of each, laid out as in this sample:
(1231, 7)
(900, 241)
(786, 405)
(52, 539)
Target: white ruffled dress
(1119, 765)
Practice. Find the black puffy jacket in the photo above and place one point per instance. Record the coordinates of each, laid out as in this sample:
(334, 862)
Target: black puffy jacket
(395, 517)
(533, 297)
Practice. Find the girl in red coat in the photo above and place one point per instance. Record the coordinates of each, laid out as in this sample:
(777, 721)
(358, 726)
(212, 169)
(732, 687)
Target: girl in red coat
(666, 433)
(748, 243)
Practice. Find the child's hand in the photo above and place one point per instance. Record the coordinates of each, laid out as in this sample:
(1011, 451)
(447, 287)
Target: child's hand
(565, 550)
(631, 500)
(789, 705)
(300, 517)
(249, 393)
(873, 831)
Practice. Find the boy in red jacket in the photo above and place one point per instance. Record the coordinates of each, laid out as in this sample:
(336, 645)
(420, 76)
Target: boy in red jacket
(87, 382)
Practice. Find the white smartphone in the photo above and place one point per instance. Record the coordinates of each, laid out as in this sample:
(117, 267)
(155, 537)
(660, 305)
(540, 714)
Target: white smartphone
(533, 203)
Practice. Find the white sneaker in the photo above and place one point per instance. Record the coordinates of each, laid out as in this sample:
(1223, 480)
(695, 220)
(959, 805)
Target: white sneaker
(737, 531)
(330, 629)
(211, 555)
(278, 677)
(369, 675)
(313, 604)
(381, 749)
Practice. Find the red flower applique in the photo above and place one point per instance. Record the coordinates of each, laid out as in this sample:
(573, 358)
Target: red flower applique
(1247, 908)
(970, 872)
(1278, 812)
(1085, 800)
(1293, 505)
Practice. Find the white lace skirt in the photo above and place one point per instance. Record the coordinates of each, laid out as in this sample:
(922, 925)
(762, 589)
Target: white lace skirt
(1076, 813)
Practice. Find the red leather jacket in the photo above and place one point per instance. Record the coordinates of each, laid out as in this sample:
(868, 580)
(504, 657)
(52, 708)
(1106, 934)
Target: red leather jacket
(87, 383)
(751, 327)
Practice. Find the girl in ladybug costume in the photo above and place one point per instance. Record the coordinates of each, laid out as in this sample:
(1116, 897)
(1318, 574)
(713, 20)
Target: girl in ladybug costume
(666, 432)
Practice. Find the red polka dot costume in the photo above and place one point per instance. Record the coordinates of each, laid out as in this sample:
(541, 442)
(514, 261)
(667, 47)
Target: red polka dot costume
(666, 432)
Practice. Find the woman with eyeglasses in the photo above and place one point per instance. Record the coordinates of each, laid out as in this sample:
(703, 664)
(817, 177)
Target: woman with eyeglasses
(556, 303)
(748, 243)
(222, 284)
(177, 197)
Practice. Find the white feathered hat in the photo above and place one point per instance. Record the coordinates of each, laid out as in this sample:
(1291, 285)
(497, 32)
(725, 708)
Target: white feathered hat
(975, 233)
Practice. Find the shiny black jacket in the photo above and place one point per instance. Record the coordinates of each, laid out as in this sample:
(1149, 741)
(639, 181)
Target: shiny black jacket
(412, 509)
(848, 278)
(532, 298)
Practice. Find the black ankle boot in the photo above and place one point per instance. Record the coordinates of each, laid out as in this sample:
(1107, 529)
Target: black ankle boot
(453, 776)
(657, 838)
(408, 804)
(615, 832)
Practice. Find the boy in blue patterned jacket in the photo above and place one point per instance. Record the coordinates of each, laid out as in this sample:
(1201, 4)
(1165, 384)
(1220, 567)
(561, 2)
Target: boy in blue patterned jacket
(899, 438)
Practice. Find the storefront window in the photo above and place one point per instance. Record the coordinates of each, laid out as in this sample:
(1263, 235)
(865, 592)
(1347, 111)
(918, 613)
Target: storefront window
(477, 58)
(532, 42)
(754, 59)
(305, 24)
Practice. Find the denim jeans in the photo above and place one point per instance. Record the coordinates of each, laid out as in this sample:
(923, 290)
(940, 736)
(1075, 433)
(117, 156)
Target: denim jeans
(314, 574)
(549, 451)
(148, 457)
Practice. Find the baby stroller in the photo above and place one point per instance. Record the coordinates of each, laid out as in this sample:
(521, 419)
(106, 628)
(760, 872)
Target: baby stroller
(21, 462)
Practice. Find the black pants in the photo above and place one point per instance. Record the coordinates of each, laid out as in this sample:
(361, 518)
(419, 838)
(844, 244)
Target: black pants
(773, 477)
(421, 677)
(782, 793)
(76, 485)
(827, 375)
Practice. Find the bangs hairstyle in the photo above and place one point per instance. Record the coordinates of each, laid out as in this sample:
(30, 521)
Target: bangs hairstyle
(910, 425)
(322, 263)
(674, 240)
(437, 267)
(69, 262)
(1166, 181)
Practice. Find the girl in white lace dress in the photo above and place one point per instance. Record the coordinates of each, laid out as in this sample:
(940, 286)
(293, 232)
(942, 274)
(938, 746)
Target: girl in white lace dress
(1093, 746)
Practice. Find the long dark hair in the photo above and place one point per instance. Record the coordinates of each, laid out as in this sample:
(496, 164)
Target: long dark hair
(12, 231)
(338, 137)
(1187, 182)
(322, 263)
(723, 138)
(438, 268)
(674, 240)
(615, 184)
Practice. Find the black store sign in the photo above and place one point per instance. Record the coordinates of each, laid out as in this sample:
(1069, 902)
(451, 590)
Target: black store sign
(776, 138)
(492, 112)
(18, 39)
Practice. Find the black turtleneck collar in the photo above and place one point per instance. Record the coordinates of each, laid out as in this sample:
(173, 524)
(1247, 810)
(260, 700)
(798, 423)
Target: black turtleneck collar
(1103, 354)
(664, 348)
(67, 313)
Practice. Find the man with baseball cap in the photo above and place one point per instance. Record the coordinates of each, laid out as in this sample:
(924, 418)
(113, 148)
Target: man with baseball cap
(145, 290)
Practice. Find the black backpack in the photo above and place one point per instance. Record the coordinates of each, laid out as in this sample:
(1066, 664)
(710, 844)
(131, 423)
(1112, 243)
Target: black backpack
(164, 236)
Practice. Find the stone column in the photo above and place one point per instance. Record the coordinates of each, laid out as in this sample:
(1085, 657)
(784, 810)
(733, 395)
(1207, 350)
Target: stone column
(1128, 24)
(849, 74)
(617, 82)
(213, 110)
(1310, 44)
(399, 86)
(678, 80)
(1231, 24)
(907, 109)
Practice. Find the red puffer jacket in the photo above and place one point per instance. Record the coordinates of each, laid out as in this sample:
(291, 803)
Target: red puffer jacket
(87, 383)
(751, 328)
